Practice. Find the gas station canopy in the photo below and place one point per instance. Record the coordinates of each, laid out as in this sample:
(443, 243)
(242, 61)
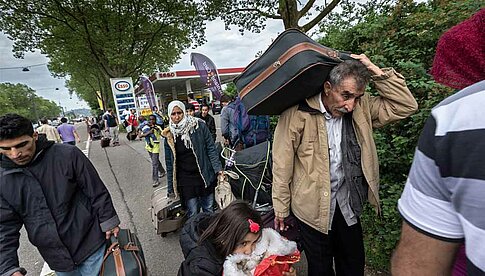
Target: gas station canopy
(183, 82)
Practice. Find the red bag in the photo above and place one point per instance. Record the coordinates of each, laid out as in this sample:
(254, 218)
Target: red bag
(275, 265)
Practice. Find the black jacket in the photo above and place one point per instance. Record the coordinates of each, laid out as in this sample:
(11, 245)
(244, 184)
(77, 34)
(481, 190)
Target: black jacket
(202, 259)
(62, 202)
(211, 124)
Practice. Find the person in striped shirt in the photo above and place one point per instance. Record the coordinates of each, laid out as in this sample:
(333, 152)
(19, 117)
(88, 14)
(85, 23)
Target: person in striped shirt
(443, 203)
(191, 100)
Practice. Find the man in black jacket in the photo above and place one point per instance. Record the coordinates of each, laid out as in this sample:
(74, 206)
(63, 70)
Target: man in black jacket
(208, 119)
(56, 193)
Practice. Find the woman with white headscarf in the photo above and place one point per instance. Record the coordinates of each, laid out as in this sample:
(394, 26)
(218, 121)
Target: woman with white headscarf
(193, 163)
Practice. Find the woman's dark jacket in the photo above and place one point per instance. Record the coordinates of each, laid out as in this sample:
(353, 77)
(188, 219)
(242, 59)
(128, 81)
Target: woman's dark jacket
(205, 154)
(199, 259)
(62, 203)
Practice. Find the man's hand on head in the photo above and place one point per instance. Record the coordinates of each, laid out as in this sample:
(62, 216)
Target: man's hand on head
(374, 69)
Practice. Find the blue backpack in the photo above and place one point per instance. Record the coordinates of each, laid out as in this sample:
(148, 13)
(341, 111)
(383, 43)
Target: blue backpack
(252, 129)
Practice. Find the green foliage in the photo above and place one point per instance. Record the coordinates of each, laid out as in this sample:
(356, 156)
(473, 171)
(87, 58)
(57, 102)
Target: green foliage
(93, 41)
(20, 99)
(230, 90)
(403, 35)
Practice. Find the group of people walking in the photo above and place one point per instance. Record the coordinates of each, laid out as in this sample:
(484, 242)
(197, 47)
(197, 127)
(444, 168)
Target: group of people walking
(64, 133)
(325, 168)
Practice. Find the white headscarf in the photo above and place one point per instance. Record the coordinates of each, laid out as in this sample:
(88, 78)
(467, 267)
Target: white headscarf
(185, 127)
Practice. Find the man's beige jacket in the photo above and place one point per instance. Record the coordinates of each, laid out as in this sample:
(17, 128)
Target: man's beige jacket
(301, 167)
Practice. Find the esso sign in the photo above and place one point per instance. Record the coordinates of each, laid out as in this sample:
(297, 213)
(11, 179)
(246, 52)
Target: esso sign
(167, 75)
(122, 86)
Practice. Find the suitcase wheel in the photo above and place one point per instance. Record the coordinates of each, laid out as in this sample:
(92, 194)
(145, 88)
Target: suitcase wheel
(163, 235)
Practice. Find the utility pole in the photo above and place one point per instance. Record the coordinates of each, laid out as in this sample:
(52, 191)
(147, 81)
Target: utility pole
(36, 116)
(63, 113)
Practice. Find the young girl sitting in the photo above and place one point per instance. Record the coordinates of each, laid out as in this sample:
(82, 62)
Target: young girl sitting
(208, 239)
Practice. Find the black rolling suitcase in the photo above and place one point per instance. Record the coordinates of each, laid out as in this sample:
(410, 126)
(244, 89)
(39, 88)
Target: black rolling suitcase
(293, 68)
(105, 142)
(131, 136)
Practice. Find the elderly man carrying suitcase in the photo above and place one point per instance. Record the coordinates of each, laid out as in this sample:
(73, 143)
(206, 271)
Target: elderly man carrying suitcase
(325, 161)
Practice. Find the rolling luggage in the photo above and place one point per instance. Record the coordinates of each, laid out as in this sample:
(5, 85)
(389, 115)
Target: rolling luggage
(124, 256)
(105, 142)
(167, 213)
(293, 68)
(131, 136)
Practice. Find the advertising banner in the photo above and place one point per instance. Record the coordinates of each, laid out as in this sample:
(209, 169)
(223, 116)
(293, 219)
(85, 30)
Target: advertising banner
(100, 101)
(208, 73)
(149, 91)
(144, 106)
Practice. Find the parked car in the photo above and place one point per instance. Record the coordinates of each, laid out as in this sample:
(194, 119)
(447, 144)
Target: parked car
(55, 123)
(216, 107)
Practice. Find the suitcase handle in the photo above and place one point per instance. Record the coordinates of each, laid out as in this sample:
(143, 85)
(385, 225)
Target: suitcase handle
(344, 55)
(130, 246)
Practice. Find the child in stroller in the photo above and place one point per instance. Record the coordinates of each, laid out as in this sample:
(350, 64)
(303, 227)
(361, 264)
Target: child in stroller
(95, 131)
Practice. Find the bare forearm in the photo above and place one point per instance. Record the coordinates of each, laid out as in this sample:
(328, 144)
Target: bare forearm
(418, 254)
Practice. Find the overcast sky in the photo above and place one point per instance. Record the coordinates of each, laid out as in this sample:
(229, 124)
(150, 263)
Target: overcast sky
(225, 48)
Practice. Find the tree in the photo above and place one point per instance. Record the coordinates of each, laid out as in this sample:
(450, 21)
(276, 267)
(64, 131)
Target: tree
(252, 15)
(22, 100)
(401, 34)
(103, 39)
(230, 90)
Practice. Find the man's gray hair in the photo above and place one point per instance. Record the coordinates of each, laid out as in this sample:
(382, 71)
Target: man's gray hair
(350, 68)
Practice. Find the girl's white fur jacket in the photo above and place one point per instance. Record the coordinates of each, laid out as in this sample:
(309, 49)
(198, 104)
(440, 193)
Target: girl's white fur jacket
(271, 243)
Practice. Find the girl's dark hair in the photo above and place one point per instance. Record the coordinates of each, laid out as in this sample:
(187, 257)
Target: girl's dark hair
(14, 126)
(230, 226)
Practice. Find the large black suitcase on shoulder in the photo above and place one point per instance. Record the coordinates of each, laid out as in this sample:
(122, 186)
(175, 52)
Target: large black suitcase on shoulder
(293, 68)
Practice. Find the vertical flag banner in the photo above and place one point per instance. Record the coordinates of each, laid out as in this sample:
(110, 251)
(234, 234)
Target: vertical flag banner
(149, 91)
(100, 100)
(208, 73)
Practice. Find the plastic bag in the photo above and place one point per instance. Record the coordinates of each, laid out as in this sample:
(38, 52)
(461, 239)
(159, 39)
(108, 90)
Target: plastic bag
(223, 193)
(275, 265)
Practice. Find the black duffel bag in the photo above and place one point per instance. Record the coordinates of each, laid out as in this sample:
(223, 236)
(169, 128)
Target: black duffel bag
(124, 256)
(293, 68)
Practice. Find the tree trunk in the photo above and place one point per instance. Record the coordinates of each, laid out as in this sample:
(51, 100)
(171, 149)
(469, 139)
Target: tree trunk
(288, 10)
